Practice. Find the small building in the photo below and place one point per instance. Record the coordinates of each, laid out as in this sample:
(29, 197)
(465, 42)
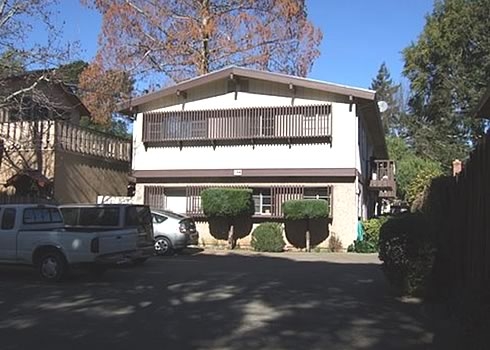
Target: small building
(47, 155)
(282, 136)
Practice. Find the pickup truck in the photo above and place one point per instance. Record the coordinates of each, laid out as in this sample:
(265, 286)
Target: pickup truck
(135, 218)
(35, 235)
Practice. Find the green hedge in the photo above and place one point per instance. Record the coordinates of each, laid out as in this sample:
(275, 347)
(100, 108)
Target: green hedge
(267, 237)
(305, 209)
(227, 202)
(370, 243)
(407, 251)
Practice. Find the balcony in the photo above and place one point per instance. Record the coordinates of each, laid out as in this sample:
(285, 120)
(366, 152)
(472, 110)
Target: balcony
(47, 135)
(257, 125)
(383, 178)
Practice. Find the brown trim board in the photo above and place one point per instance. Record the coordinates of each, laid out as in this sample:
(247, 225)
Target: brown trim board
(241, 173)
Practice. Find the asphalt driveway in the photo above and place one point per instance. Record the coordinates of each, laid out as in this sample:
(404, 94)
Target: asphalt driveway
(214, 301)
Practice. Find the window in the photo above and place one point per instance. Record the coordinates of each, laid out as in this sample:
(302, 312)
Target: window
(8, 219)
(324, 193)
(42, 216)
(317, 193)
(184, 127)
(268, 125)
(262, 200)
(137, 215)
(158, 219)
(309, 125)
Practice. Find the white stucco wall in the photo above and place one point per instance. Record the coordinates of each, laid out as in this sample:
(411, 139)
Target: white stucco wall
(341, 154)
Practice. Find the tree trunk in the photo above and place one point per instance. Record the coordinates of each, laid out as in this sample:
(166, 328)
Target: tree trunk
(308, 241)
(231, 238)
(203, 66)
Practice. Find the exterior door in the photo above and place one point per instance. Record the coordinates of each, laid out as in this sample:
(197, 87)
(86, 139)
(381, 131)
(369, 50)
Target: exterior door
(8, 234)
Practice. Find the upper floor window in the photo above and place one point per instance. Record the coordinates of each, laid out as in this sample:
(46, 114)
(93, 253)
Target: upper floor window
(289, 124)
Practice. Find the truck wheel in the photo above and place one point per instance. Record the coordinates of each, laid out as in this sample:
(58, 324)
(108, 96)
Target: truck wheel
(163, 246)
(52, 266)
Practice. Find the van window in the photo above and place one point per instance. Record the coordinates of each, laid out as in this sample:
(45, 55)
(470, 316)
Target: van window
(8, 219)
(42, 216)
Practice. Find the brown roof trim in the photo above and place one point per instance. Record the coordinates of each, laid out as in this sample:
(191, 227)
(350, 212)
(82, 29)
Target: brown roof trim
(483, 109)
(127, 106)
(241, 173)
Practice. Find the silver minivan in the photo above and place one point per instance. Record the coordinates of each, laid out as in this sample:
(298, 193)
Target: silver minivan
(173, 232)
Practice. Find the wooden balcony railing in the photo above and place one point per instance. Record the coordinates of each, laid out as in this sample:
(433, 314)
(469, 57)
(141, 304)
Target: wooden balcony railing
(383, 176)
(77, 139)
(52, 135)
(241, 125)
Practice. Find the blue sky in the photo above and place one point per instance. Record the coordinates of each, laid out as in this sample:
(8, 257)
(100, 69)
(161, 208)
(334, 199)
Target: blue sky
(358, 35)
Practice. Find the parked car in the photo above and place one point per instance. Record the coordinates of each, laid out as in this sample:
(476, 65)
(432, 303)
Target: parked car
(134, 218)
(33, 234)
(173, 232)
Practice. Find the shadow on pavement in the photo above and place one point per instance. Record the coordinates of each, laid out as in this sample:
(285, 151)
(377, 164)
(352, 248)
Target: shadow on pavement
(211, 302)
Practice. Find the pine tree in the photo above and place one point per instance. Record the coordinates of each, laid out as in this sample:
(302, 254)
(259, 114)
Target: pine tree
(388, 92)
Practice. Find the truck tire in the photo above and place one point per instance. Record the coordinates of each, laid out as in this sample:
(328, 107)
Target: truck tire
(52, 266)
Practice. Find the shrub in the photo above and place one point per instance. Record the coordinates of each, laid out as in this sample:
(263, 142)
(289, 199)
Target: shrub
(335, 244)
(229, 212)
(267, 237)
(308, 215)
(370, 243)
(227, 202)
(407, 252)
(305, 209)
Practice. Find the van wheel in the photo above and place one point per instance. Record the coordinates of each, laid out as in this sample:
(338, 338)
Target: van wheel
(163, 246)
(52, 266)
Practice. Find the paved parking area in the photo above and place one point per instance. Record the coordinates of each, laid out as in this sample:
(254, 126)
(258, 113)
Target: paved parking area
(214, 300)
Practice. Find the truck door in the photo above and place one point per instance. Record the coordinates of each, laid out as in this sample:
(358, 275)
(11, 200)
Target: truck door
(8, 234)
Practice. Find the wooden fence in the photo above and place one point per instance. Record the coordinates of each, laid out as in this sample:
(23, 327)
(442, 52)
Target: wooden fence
(459, 208)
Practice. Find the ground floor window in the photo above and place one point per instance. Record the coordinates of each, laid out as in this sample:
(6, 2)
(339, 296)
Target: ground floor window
(267, 200)
(262, 200)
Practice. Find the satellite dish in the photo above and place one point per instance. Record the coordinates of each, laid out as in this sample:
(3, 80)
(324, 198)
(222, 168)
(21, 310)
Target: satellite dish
(383, 106)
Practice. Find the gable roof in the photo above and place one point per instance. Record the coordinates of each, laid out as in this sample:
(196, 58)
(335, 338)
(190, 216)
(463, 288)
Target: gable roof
(131, 105)
(365, 97)
(68, 90)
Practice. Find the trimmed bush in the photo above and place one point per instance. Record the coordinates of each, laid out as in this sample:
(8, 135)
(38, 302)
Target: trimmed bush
(229, 212)
(307, 215)
(267, 237)
(407, 251)
(227, 202)
(305, 209)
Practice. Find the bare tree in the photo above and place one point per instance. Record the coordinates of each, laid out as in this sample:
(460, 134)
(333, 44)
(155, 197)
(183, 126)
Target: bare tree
(181, 39)
(29, 82)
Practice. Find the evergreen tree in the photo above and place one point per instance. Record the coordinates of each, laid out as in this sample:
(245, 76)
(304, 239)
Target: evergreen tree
(388, 92)
(448, 69)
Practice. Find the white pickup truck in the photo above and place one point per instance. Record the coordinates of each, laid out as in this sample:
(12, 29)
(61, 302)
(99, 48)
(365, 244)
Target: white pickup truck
(36, 235)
